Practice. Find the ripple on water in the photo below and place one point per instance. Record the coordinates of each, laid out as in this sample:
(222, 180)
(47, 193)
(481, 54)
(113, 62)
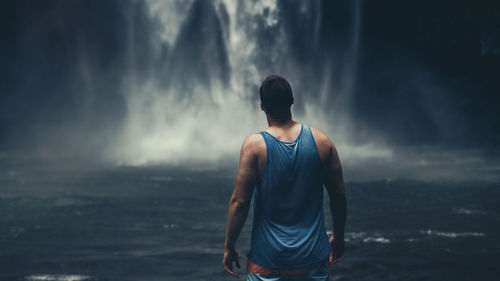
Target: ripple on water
(463, 211)
(452, 234)
(57, 277)
(377, 239)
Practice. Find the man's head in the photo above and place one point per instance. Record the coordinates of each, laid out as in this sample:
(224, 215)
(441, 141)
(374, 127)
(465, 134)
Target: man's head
(276, 97)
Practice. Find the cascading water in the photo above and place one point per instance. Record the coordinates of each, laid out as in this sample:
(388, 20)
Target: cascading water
(200, 98)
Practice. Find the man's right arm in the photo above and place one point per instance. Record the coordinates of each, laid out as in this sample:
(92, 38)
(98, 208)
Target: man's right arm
(334, 184)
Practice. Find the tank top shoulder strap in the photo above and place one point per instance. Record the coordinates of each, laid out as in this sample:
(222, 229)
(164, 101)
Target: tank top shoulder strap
(264, 134)
(307, 134)
(306, 129)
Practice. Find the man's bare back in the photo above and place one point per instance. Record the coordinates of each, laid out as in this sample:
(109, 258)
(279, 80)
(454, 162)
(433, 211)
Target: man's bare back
(289, 132)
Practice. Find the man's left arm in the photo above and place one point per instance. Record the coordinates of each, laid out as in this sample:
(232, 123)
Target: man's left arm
(239, 203)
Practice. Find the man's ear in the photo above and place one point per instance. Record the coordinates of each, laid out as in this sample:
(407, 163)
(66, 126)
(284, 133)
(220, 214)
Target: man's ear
(261, 106)
(293, 100)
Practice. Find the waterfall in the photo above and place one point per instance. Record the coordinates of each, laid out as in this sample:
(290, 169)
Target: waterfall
(199, 97)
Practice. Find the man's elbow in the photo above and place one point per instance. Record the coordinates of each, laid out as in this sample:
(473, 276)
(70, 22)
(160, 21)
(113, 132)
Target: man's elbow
(340, 193)
(239, 204)
(338, 198)
(340, 190)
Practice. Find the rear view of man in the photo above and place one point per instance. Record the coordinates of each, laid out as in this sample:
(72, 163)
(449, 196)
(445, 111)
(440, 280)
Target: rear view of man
(283, 169)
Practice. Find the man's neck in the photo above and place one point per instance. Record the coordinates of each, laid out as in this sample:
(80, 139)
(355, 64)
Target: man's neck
(282, 123)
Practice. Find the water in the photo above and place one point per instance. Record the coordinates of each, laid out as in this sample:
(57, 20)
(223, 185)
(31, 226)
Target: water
(168, 223)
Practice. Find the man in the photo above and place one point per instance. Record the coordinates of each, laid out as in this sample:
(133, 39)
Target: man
(284, 169)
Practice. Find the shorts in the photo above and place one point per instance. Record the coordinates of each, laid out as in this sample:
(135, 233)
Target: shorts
(317, 273)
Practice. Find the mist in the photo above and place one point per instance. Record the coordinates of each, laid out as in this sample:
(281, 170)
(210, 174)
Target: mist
(403, 92)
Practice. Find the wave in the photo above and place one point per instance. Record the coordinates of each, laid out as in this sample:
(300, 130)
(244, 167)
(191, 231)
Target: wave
(377, 239)
(59, 277)
(452, 234)
(365, 237)
(464, 211)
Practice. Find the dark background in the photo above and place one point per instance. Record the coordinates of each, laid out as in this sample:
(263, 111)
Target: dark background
(415, 73)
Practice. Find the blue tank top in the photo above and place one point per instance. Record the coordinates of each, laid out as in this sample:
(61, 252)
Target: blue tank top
(288, 229)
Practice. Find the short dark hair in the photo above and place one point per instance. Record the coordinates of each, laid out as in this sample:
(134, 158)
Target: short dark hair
(276, 95)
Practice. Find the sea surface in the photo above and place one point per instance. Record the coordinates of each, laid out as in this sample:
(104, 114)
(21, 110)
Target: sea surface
(168, 223)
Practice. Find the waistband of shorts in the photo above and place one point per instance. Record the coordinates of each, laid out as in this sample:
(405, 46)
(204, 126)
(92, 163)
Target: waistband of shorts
(258, 269)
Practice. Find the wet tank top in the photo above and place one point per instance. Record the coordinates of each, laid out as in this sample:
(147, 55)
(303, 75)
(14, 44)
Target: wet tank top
(288, 229)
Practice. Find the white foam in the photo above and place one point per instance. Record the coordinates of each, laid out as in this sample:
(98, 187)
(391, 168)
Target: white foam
(57, 277)
(451, 234)
(172, 225)
(355, 235)
(464, 211)
(377, 239)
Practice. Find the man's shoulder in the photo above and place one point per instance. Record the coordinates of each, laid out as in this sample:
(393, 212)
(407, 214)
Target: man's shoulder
(254, 142)
(321, 137)
(253, 139)
(323, 143)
